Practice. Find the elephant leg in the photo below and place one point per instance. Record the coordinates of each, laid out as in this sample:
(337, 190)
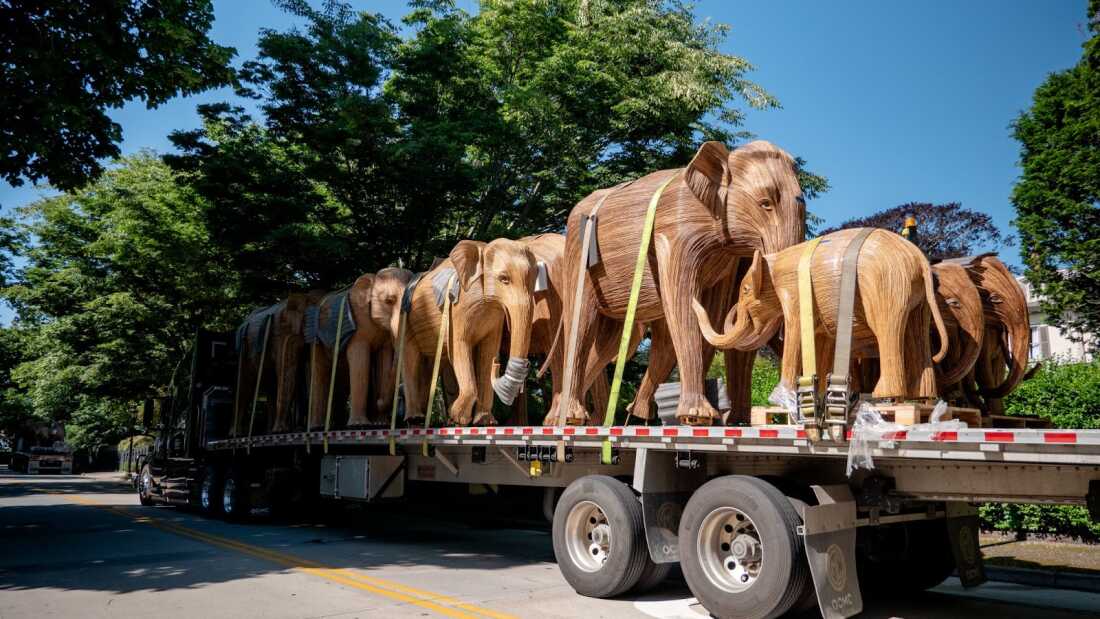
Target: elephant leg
(486, 352)
(662, 360)
(462, 360)
(602, 354)
(385, 371)
(570, 409)
(318, 385)
(889, 329)
(739, 366)
(678, 269)
(413, 381)
(920, 371)
(599, 392)
(286, 378)
(359, 369)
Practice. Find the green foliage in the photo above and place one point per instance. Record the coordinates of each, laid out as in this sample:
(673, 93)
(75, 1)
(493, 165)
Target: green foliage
(1060, 520)
(1068, 394)
(943, 230)
(765, 376)
(67, 63)
(1057, 199)
(119, 275)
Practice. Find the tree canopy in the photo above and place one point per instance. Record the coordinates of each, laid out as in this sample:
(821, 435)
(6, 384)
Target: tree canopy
(67, 63)
(943, 230)
(1057, 199)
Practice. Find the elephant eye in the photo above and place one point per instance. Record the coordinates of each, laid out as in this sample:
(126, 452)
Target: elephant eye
(766, 204)
(954, 302)
(746, 289)
(390, 300)
(996, 298)
(504, 279)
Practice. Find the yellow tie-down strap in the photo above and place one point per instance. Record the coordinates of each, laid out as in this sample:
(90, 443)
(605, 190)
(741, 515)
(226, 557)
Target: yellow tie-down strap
(400, 358)
(631, 310)
(807, 381)
(444, 326)
(332, 374)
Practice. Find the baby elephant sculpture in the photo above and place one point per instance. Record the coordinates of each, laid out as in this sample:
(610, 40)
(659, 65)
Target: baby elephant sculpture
(492, 283)
(367, 335)
(894, 296)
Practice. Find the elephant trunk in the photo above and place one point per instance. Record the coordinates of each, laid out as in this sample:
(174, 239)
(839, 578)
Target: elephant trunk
(722, 341)
(508, 386)
(1019, 337)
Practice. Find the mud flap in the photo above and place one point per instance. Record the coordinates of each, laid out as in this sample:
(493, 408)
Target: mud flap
(962, 529)
(829, 532)
(661, 513)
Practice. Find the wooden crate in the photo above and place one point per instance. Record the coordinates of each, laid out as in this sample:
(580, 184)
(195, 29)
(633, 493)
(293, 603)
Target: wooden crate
(906, 414)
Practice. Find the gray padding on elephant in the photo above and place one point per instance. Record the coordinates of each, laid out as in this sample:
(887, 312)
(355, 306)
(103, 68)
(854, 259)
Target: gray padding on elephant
(439, 282)
(507, 387)
(410, 288)
(326, 333)
(252, 329)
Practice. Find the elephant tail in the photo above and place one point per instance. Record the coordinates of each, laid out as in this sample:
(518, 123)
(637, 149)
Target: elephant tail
(930, 293)
(553, 351)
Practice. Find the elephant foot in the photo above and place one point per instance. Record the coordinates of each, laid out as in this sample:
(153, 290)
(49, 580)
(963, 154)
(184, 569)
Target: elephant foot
(640, 410)
(702, 414)
(358, 422)
(576, 416)
(484, 418)
(417, 421)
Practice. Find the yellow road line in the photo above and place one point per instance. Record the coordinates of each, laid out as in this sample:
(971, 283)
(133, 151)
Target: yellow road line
(442, 604)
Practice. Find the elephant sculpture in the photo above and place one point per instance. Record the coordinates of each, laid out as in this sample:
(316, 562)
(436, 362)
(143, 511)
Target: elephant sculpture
(271, 338)
(722, 206)
(493, 283)
(893, 300)
(964, 317)
(367, 335)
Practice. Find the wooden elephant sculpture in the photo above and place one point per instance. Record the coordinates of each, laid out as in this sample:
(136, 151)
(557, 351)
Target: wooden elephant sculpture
(367, 335)
(492, 283)
(270, 343)
(549, 250)
(893, 299)
(964, 317)
(723, 205)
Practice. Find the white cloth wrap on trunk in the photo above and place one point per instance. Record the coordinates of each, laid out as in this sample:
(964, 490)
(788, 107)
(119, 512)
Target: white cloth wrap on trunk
(507, 387)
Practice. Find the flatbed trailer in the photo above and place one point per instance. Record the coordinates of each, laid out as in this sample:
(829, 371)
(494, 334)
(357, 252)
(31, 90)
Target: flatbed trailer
(761, 520)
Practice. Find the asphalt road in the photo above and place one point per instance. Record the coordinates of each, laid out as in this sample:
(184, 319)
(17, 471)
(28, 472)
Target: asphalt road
(82, 547)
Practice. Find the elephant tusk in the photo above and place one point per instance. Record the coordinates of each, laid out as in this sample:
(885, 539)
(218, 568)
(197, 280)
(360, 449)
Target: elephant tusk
(508, 386)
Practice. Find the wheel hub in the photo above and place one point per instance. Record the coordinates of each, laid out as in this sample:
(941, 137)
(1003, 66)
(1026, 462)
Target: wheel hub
(730, 549)
(588, 536)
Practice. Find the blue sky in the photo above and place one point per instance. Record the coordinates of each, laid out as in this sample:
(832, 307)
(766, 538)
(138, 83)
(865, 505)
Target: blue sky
(893, 102)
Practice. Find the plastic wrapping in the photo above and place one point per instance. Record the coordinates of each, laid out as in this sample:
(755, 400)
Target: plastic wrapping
(786, 399)
(869, 426)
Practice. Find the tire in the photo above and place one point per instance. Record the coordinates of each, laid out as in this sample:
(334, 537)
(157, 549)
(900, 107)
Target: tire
(733, 512)
(145, 486)
(210, 492)
(905, 558)
(235, 504)
(653, 574)
(605, 507)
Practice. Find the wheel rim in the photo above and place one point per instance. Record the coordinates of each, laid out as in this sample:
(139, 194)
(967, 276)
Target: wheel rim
(729, 549)
(204, 493)
(227, 495)
(588, 536)
(146, 482)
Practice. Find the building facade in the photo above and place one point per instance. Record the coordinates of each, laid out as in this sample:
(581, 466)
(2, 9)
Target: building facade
(1048, 341)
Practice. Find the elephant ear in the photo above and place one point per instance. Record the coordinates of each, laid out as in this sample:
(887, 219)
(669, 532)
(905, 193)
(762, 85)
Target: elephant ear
(466, 256)
(706, 176)
(361, 290)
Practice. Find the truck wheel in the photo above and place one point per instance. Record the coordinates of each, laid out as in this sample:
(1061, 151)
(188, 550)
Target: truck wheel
(598, 537)
(145, 486)
(908, 557)
(210, 492)
(740, 551)
(235, 495)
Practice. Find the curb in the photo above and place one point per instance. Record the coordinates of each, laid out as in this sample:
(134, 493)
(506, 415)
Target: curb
(1041, 578)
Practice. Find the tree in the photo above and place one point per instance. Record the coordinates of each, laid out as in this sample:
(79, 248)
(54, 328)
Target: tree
(119, 276)
(943, 230)
(66, 63)
(1057, 199)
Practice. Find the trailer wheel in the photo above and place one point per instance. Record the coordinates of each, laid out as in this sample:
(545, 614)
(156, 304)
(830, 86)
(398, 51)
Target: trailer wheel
(740, 551)
(653, 574)
(145, 486)
(235, 495)
(599, 541)
(210, 492)
(909, 557)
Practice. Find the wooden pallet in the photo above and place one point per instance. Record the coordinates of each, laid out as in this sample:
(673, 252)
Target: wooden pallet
(1016, 421)
(905, 414)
